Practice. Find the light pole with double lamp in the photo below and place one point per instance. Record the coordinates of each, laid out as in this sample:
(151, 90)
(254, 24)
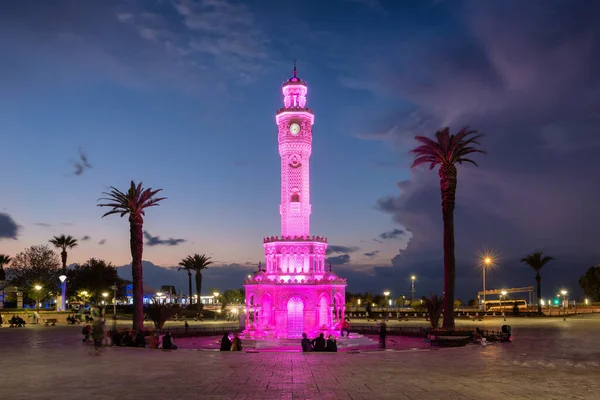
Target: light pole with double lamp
(564, 293)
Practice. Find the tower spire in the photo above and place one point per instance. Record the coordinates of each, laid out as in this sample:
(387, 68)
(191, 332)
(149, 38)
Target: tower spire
(295, 72)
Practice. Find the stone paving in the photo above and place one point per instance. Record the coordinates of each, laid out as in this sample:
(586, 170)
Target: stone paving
(550, 359)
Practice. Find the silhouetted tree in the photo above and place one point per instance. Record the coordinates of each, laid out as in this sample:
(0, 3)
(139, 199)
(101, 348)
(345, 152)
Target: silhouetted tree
(590, 283)
(197, 263)
(537, 261)
(446, 151)
(133, 203)
(63, 243)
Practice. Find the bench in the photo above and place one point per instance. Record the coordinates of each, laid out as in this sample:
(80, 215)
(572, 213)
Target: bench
(48, 321)
(450, 341)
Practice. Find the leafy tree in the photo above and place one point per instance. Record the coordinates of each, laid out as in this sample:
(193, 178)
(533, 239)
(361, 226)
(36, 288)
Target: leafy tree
(4, 260)
(446, 151)
(537, 261)
(590, 283)
(64, 242)
(188, 269)
(197, 263)
(458, 303)
(133, 203)
(233, 296)
(37, 265)
(94, 276)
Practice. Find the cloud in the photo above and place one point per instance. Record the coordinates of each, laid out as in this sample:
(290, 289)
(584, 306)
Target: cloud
(332, 249)
(81, 164)
(85, 238)
(533, 190)
(101, 242)
(393, 234)
(338, 260)
(371, 254)
(156, 240)
(67, 224)
(43, 224)
(8, 227)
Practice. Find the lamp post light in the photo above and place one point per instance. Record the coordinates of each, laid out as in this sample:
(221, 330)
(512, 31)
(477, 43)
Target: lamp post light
(358, 302)
(114, 289)
(104, 295)
(412, 290)
(486, 263)
(63, 293)
(587, 302)
(564, 293)
(502, 294)
(386, 294)
(37, 291)
(216, 295)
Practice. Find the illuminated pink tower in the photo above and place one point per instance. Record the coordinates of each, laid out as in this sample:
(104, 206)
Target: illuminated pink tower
(295, 293)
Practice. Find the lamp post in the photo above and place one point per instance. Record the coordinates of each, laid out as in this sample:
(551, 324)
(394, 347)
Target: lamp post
(37, 291)
(412, 290)
(502, 294)
(216, 295)
(487, 262)
(104, 295)
(63, 292)
(564, 293)
(114, 289)
(386, 294)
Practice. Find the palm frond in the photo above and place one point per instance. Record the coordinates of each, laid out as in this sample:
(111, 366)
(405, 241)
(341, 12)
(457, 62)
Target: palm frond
(446, 148)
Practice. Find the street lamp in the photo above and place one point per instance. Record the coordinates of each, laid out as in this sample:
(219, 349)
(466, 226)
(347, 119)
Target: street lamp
(487, 262)
(502, 294)
(105, 295)
(359, 302)
(37, 289)
(564, 293)
(114, 288)
(386, 294)
(412, 289)
(215, 294)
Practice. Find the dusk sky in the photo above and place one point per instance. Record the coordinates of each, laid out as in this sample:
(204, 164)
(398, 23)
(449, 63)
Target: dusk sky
(182, 96)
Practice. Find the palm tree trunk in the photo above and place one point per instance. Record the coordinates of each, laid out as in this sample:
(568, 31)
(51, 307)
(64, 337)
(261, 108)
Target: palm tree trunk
(538, 279)
(190, 286)
(63, 256)
(448, 181)
(137, 249)
(198, 289)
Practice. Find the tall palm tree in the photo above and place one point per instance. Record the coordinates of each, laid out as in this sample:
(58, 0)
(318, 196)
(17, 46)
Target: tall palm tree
(197, 263)
(185, 265)
(133, 203)
(446, 151)
(64, 242)
(4, 260)
(537, 261)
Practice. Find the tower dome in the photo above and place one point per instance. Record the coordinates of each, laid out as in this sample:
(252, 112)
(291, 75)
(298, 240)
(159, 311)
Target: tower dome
(294, 80)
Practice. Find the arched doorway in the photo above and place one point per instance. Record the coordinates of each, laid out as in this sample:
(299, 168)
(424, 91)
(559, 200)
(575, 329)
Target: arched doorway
(295, 317)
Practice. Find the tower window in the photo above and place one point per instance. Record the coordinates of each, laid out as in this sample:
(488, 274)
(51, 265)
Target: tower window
(295, 198)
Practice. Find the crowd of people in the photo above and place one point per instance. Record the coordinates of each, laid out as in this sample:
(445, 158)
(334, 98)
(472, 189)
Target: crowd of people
(231, 342)
(319, 343)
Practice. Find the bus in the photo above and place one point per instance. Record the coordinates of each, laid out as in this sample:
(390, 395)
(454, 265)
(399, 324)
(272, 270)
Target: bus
(506, 305)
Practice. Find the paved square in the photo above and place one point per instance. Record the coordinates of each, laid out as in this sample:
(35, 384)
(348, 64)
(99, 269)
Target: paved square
(550, 359)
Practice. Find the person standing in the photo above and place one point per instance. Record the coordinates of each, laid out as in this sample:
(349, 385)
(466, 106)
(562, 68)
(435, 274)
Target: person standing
(382, 334)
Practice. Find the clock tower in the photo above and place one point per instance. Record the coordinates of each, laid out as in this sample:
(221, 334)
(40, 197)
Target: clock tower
(294, 123)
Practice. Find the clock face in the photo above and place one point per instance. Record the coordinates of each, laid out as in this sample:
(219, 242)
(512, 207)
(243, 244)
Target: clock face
(294, 128)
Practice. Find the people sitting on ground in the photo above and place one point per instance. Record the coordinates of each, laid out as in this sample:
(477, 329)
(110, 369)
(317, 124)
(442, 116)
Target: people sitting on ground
(71, 319)
(331, 344)
(140, 339)
(167, 342)
(236, 343)
(306, 345)
(225, 342)
(88, 318)
(319, 343)
(17, 321)
(345, 328)
(128, 339)
(153, 342)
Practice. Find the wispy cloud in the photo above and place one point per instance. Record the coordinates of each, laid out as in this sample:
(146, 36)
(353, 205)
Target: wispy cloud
(101, 242)
(85, 238)
(43, 224)
(371, 254)
(393, 234)
(332, 249)
(157, 241)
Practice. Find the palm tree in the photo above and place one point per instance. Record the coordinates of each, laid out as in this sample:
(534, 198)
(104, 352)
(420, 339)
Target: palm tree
(536, 261)
(197, 263)
(4, 260)
(188, 267)
(446, 151)
(134, 202)
(64, 242)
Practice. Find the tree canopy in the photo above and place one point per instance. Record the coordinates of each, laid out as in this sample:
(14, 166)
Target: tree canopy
(590, 283)
(94, 276)
(37, 265)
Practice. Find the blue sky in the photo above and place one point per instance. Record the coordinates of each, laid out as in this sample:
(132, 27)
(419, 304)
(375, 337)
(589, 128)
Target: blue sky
(181, 95)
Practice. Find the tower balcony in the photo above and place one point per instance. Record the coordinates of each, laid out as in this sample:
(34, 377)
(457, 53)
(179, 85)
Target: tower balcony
(313, 238)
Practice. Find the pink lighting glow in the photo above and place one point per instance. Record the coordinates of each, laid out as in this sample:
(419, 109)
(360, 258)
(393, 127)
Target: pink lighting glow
(295, 292)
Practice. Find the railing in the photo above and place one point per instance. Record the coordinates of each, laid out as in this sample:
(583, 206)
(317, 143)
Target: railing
(198, 331)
